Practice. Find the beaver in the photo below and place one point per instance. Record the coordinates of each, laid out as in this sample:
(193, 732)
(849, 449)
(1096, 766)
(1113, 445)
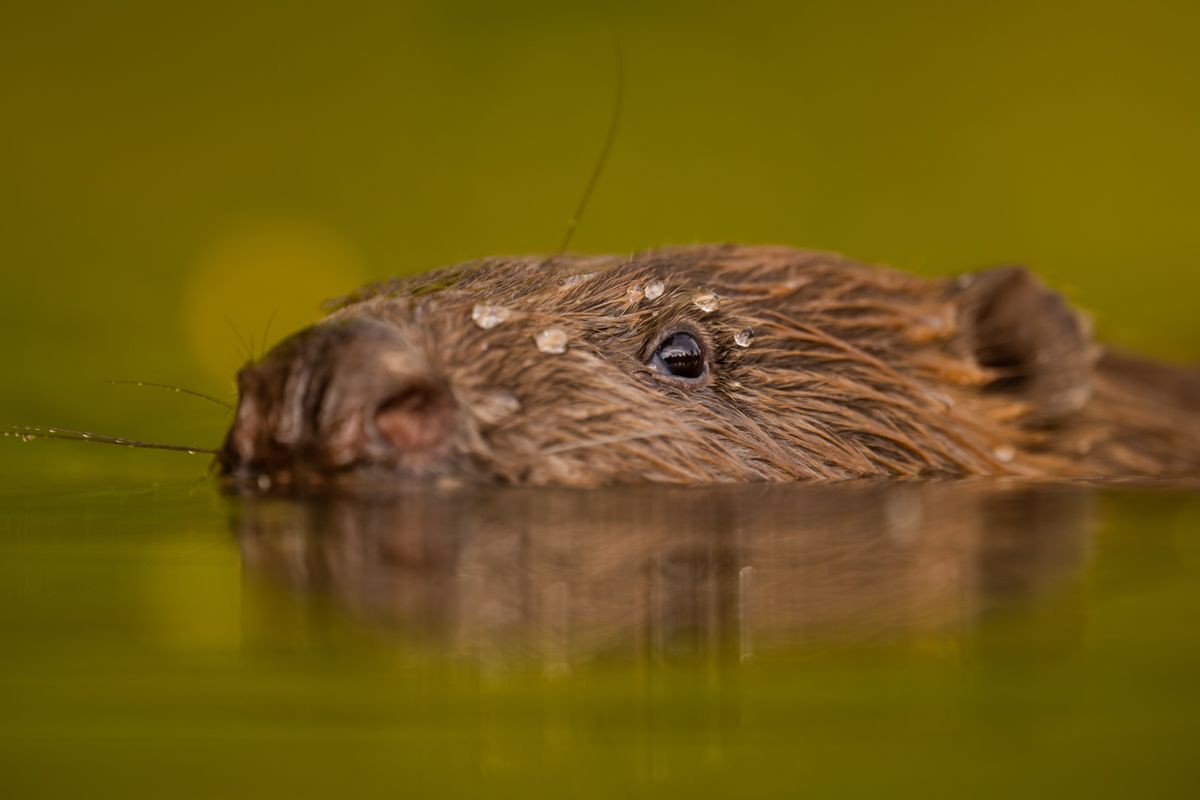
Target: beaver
(700, 365)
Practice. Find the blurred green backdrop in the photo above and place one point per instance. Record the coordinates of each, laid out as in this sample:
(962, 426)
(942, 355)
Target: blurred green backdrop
(170, 171)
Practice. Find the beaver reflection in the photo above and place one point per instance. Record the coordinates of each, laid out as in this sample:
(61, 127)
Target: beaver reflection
(565, 576)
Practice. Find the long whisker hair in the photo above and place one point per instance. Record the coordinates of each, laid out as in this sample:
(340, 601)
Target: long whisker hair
(178, 389)
(246, 348)
(610, 137)
(267, 330)
(28, 433)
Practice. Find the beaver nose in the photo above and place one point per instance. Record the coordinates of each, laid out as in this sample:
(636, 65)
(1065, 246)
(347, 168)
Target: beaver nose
(338, 394)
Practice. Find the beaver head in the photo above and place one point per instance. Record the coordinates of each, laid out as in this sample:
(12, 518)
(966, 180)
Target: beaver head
(689, 365)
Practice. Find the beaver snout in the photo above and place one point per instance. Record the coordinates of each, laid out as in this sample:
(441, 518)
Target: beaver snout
(339, 397)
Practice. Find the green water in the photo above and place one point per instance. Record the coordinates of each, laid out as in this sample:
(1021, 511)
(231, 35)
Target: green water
(837, 641)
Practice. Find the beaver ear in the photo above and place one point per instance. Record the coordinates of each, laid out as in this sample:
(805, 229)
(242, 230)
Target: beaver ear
(1038, 347)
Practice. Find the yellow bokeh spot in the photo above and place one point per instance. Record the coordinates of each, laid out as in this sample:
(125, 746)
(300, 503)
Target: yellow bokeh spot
(275, 271)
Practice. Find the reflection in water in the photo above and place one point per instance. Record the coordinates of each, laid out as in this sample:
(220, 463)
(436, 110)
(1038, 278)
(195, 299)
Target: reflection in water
(564, 576)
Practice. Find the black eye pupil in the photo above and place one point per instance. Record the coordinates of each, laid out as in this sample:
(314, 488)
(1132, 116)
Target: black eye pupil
(680, 355)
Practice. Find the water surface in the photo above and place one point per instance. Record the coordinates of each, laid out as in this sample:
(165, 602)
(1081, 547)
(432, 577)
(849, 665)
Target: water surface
(845, 640)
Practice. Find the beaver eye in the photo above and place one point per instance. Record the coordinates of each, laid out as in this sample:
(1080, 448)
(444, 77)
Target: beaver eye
(680, 356)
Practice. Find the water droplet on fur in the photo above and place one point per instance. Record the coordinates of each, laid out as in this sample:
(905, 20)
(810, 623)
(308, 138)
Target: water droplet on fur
(552, 340)
(941, 399)
(939, 323)
(497, 406)
(706, 301)
(575, 280)
(744, 338)
(263, 482)
(633, 294)
(1004, 453)
(488, 317)
(654, 290)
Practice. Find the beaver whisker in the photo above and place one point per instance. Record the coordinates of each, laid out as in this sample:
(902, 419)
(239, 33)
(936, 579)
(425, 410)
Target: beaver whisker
(267, 330)
(177, 389)
(28, 433)
(246, 348)
(610, 137)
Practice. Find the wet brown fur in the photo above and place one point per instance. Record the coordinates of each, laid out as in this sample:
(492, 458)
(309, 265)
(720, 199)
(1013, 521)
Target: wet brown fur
(852, 371)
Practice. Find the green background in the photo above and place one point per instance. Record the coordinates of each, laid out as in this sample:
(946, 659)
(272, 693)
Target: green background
(170, 171)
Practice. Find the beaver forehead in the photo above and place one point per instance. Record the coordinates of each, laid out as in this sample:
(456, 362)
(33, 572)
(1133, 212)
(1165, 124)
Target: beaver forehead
(546, 286)
(613, 284)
